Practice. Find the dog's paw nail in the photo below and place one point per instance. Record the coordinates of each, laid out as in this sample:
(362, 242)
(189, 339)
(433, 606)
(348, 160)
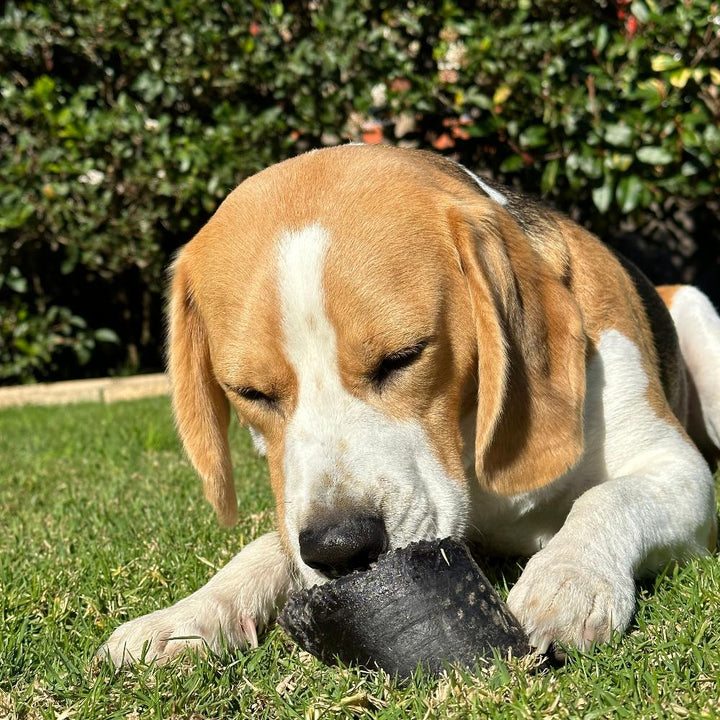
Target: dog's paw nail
(249, 627)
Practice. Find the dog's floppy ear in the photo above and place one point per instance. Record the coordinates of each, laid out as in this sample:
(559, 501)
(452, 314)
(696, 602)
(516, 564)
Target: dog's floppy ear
(202, 411)
(531, 354)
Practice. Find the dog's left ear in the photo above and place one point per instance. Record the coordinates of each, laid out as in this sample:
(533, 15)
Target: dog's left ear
(531, 349)
(202, 411)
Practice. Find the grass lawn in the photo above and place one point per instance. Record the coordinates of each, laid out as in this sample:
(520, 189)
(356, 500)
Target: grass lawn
(103, 519)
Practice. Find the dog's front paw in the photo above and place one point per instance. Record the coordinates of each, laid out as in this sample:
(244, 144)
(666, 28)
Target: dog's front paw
(165, 633)
(573, 603)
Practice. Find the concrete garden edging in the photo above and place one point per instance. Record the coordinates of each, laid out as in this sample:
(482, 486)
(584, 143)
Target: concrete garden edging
(106, 390)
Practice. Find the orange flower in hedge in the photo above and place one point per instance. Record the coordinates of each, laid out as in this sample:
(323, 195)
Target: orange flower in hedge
(372, 132)
(443, 142)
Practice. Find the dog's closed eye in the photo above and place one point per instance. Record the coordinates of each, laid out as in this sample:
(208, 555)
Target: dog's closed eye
(256, 396)
(394, 363)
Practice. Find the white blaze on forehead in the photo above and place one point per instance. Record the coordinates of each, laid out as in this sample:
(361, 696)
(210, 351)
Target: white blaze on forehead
(310, 346)
(341, 454)
(308, 334)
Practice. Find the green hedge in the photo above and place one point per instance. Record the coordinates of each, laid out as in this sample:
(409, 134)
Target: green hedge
(123, 125)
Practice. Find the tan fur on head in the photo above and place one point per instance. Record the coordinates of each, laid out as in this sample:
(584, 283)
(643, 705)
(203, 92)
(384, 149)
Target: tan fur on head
(531, 355)
(202, 411)
(529, 332)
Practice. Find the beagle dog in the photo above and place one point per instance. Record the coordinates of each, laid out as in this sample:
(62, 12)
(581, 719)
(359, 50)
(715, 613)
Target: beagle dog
(421, 354)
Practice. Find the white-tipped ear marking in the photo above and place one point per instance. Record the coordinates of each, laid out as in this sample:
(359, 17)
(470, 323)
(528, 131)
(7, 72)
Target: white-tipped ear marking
(491, 192)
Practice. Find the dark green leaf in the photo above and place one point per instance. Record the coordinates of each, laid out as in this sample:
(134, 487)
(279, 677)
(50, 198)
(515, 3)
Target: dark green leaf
(602, 196)
(628, 192)
(654, 155)
(619, 135)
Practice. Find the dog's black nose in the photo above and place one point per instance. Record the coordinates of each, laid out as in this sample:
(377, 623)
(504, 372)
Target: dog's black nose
(350, 544)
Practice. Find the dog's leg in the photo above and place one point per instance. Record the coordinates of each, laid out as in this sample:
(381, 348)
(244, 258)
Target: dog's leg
(229, 611)
(580, 588)
(656, 503)
(698, 328)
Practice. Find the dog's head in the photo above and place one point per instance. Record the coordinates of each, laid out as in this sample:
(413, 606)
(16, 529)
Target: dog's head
(390, 337)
